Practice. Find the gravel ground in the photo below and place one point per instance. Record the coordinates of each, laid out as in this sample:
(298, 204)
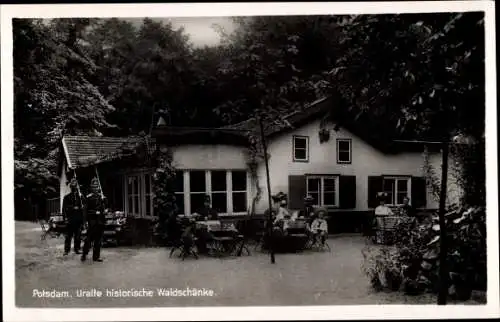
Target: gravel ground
(309, 278)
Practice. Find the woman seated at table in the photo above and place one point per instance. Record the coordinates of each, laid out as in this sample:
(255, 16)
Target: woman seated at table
(319, 226)
(206, 212)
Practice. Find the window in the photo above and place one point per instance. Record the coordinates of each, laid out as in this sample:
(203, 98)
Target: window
(396, 189)
(227, 189)
(198, 189)
(239, 190)
(219, 191)
(324, 190)
(139, 194)
(148, 194)
(133, 195)
(179, 191)
(301, 148)
(344, 152)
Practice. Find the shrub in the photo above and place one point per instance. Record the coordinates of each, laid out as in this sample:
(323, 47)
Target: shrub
(415, 256)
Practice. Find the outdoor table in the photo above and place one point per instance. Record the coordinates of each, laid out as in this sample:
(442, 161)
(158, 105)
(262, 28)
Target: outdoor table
(217, 236)
(292, 236)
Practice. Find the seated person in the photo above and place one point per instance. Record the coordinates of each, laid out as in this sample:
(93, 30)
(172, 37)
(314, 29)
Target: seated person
(382, 209)
(406, 209)
(308, 211)
(319, 227)
(206, 212)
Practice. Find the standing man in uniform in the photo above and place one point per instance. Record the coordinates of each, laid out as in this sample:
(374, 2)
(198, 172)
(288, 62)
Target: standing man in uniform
(96, 221)
(73, 215)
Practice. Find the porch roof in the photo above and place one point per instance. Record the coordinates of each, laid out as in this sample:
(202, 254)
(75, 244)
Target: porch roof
(83, 151)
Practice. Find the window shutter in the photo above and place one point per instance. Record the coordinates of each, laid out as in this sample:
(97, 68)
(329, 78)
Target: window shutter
(347, 192)
(297, 190)
(418, 192)
(374, 187)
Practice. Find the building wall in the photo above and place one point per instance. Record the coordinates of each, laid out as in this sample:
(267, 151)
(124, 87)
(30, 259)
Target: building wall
(366, 161)
(212, 157)
(209, 157)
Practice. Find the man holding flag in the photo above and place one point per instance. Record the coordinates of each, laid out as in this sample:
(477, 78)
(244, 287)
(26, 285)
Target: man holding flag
(73, 215)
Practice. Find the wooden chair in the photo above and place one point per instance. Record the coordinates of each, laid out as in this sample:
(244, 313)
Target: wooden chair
(315, 242)
(45, 228)
(385, 228)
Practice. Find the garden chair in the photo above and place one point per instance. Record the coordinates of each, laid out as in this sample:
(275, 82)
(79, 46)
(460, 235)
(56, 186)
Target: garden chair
(185, 241)
(45, 228)
(385, 228)
(315, 242)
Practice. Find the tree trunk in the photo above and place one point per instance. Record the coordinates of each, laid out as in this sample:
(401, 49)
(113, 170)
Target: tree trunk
(443, 269)
(266, 161)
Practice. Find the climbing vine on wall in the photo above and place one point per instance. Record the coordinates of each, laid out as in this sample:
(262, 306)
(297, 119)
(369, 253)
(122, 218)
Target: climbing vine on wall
(466, 174)
(163, 184)
(254, 157)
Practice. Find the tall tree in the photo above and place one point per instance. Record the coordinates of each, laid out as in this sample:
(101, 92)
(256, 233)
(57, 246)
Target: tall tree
(53, 96)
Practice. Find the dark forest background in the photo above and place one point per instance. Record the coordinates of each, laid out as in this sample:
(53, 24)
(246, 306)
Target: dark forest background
(421, 76)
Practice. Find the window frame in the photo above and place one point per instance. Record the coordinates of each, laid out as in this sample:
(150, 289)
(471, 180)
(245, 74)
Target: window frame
(397, 178)
(338, 151)
(322, 189)
(306, 138)
(186, 194)
(139, 196)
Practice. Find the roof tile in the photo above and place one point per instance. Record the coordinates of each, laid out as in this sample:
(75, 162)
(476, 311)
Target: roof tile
(82, 151)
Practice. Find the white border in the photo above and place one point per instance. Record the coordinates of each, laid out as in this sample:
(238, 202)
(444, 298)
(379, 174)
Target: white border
(246, 313)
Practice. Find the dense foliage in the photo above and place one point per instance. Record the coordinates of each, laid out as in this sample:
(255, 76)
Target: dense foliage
(112, 77)
(412, 264)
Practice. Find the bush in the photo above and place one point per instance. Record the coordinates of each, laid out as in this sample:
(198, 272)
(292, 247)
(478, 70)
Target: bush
(413, 261)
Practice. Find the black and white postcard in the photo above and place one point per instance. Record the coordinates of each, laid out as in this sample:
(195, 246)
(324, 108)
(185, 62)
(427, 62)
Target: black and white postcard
(243, 161)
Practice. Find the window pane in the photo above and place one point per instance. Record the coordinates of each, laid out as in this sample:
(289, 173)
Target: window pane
(197, 200)
(136, 204)
(300, 143)
(300, 154)
(218, 180)
(239, 179)
(329, 185)
(136, 185)
(179, 181)
(313, 185)
(148, 206)
(240, 202)
(400, 198)
(197, 181)
(179, 201)
(219, 202)
(130, 205)
(344, 156)
(389, 185)
(402, 185)
(147, 182)
(329, 198)
(344, 145)
(129, 185)
(315, 196)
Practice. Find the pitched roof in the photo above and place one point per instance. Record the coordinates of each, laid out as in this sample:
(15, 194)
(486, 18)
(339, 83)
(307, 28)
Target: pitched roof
(82, 151)
(367, 129)
(295, 118)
